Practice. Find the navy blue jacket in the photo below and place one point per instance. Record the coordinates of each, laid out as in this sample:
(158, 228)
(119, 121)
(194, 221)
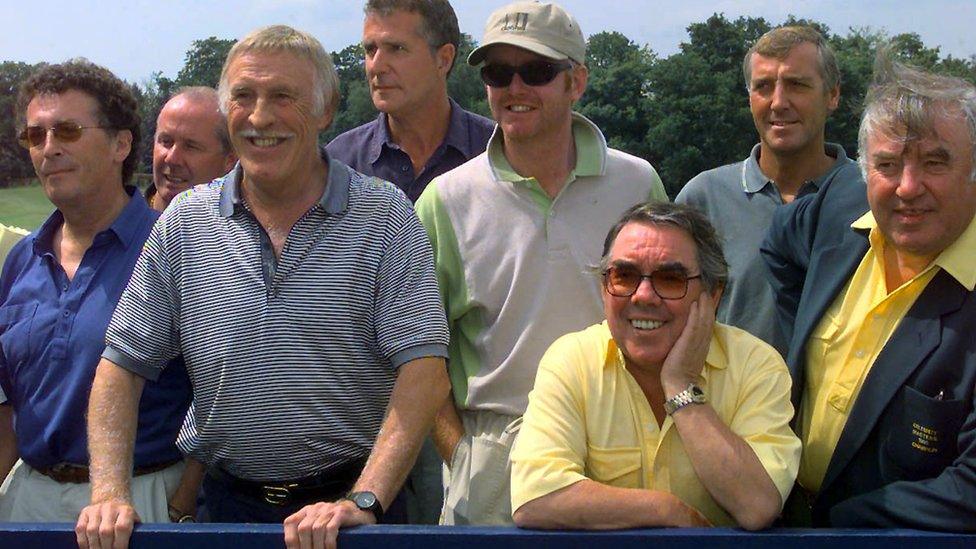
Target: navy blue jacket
(921, 385)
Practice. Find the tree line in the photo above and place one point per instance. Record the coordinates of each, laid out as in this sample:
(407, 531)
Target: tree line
(684, 113)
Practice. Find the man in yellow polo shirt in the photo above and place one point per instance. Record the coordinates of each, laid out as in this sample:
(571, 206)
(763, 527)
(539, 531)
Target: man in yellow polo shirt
(878, 287)
(9, 236)
(658, 416)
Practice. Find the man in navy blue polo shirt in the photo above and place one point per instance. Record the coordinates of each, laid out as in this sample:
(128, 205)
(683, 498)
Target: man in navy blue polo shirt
(57, 293)
(420, 133)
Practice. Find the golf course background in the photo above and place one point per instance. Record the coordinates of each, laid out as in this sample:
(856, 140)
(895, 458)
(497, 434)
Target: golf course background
(24, 207)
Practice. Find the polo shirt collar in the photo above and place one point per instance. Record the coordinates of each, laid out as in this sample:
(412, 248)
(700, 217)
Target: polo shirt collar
(334, 200)
(591, 152)
(458, 134)
(754, 180)
(124, 226)
(716, 358)
(956, 259)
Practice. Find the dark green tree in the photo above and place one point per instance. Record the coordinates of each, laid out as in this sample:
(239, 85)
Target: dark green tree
(154, 94)
(619, 74)
(697, 102)
(464, 83)
(204, 61)
(15, 163)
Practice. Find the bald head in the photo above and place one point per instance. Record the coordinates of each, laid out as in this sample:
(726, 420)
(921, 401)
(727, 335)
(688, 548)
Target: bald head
(191, 144)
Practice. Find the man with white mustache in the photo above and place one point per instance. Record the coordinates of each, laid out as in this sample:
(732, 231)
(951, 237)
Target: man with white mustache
(302, 296)
(793, 82)
(513, 230)
(191, 145)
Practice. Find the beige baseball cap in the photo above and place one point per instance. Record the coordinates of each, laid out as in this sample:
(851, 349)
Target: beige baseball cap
(543, 28)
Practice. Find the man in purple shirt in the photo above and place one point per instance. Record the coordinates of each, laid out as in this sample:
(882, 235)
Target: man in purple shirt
(420, 133)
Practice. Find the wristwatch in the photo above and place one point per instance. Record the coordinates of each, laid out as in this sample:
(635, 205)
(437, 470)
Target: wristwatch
(367, 502)
(692, 395)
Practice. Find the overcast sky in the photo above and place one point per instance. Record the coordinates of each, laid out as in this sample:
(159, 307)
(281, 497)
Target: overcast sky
(135, 38)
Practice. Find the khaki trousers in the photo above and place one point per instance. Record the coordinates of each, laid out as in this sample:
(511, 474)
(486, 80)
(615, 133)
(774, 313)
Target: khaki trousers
(477, 482)
(33, 497)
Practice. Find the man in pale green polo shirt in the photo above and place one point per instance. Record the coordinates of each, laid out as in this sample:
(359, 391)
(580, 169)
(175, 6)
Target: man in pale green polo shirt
(8, 237)
(514, 230)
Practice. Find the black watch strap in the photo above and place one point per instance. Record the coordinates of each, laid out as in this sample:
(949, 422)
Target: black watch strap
(367, 501)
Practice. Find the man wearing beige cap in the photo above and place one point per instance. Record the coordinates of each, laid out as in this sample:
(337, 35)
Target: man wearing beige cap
(514, 230)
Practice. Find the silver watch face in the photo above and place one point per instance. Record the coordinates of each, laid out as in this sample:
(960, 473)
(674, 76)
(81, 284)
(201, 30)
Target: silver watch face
(364, 500)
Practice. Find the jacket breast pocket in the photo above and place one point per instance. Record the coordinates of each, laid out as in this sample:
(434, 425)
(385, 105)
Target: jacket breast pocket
(618, 467)
(922, 439)
(15, 332)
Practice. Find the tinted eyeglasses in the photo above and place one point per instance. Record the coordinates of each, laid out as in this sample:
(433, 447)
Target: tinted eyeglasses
(624, 281)
(533, 73)
(65, 132)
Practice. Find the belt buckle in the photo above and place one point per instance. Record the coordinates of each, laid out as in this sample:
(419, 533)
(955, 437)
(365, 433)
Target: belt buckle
(278, 495)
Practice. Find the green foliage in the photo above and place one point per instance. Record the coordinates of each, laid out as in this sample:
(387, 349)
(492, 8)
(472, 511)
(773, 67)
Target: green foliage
(355, 105)
(684, 113)
(15, 163)
(698, 106)
(204, 61)
(615, 97)
(464, 83)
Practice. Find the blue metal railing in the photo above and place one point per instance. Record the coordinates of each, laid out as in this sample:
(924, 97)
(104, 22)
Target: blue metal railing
(246, 536)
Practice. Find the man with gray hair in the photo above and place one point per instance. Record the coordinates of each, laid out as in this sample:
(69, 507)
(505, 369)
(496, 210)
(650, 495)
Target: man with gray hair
(878, 287)
(659, 416)
(191, 145)
(302, 297)
(793, 83)
(513, 231)
(420, 133)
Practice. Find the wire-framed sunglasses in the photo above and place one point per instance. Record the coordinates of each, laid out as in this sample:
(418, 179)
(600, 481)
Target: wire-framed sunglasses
(623, 281)
(533, 73)
(65, 132)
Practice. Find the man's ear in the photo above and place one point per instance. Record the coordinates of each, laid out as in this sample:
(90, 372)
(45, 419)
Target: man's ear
(445, 58)
(833, 98)
(717, 294)
(579, 76)
(123, 145)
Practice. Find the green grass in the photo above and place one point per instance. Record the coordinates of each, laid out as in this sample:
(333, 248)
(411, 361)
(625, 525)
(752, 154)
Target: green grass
(24, 207)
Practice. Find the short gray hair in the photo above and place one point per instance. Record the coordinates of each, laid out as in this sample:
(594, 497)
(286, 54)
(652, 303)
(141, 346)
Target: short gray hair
(282, 38)
(903, 96)
(778, 43)
(208, 95)
(711, 259)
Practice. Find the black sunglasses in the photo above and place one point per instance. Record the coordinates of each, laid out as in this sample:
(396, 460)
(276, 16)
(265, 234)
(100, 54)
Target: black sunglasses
(65, 132)
(533, 73)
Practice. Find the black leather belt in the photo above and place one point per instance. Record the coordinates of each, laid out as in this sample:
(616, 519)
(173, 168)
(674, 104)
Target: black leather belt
(326, 486)
(78, 474)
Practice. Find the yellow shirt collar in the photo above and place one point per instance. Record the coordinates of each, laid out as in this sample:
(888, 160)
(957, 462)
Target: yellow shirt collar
(716, 358)
(956, 259)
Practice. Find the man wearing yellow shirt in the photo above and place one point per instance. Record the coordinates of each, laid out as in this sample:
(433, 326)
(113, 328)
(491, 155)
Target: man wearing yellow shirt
(659, 416)
(8, 237)
(878, 287)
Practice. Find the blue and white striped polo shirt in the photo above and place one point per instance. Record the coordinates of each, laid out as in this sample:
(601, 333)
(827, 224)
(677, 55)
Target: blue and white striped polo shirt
(292, 360)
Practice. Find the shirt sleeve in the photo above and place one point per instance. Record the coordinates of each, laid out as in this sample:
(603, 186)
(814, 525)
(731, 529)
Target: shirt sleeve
(550, 451)
(143, 335)
(658, 194)
(762, 417)
(410, 321)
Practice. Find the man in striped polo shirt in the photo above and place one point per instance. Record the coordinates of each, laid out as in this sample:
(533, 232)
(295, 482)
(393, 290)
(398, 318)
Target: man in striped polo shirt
(303, 299)
(514, 230)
